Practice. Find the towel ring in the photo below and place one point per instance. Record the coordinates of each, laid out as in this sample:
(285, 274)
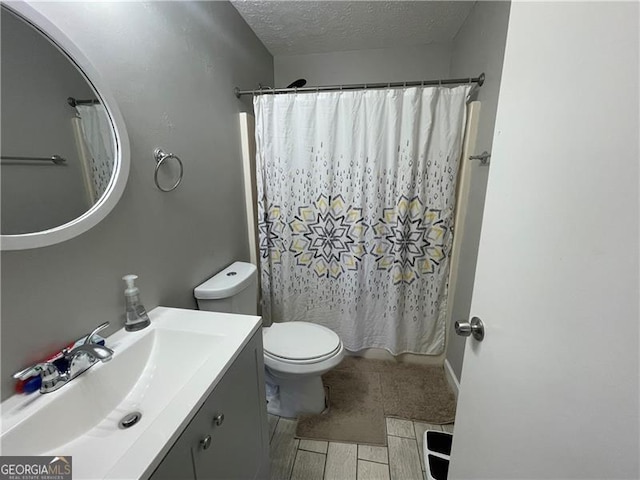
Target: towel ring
(160, 157)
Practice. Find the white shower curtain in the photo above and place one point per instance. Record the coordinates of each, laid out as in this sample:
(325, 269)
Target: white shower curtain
(356, 195)
(98, 137)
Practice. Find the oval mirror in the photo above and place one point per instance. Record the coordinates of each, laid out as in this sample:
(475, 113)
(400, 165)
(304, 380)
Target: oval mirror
(65, 150)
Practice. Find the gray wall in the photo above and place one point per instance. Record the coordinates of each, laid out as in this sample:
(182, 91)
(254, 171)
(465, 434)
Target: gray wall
(365, 66)
(36, 121)
(172, 67)
(478, 47)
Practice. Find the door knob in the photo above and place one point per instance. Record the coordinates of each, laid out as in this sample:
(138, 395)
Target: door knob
(475, 328)
(218, 419)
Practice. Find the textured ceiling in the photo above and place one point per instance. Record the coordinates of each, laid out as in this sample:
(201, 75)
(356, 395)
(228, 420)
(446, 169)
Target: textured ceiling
(308, 26)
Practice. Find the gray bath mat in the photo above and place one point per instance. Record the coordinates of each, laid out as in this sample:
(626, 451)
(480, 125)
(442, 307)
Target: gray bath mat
(363, 392)
(419, 393)
(355, 412)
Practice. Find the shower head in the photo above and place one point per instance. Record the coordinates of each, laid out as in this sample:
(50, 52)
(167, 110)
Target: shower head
(301, 82)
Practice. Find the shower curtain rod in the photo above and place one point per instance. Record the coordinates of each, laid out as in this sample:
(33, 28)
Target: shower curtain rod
(73, 102)
(361, 86)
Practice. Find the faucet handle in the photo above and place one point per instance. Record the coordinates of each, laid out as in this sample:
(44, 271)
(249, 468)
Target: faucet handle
(89, 339)
(33, 370)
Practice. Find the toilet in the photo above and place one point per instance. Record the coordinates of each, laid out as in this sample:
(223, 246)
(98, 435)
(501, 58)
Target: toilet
(296, 354)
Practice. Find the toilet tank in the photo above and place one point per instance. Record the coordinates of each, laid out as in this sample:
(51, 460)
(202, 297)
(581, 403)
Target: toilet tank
(233, 290)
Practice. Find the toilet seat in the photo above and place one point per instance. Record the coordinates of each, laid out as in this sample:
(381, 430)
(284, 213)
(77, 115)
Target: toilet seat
(306, 361)
(301, 348)
(300, 342)
(284, 368)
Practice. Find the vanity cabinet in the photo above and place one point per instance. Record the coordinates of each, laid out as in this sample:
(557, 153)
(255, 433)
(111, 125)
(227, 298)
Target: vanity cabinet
(228, 437)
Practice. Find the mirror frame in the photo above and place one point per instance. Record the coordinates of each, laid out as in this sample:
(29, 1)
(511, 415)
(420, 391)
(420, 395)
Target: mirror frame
(110, 198)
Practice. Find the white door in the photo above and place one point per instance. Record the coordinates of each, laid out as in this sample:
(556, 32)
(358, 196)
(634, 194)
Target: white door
(552, 391)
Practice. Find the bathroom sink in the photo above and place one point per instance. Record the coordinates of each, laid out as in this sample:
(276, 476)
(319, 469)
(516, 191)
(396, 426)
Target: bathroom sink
(163, 372)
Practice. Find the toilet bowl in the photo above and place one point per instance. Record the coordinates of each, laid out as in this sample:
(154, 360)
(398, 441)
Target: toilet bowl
(296, 354)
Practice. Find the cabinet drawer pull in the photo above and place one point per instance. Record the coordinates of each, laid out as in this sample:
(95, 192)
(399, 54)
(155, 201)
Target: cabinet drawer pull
(205, 443)
(218, 419)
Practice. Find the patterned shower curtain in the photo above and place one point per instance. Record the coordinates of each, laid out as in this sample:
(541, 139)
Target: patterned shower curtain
(356, 194)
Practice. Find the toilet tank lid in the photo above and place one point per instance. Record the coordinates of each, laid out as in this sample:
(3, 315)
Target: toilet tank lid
(233, 279)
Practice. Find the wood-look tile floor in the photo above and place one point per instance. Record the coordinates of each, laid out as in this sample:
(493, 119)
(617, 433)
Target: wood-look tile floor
(401, 459)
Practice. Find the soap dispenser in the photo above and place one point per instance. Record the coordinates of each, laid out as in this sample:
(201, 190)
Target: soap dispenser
(136, 315)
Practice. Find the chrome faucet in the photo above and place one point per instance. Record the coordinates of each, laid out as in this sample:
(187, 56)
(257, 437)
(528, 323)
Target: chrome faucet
(78, 360)
(95, 350)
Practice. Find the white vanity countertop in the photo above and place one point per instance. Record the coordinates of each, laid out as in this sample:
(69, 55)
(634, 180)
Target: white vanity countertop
(166, 371)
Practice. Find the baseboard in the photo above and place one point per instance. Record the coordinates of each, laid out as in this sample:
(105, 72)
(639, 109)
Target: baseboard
(451, 378)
